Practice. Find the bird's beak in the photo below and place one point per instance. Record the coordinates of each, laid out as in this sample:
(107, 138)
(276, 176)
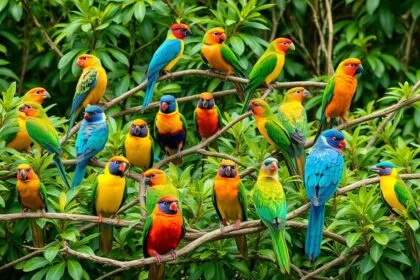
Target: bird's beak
(375, 169)
(23, 175)
(163, 106)
(292, 46)
(205, 104)
(222, 38)
(250, 107)
(228, 171)
(173, 206)
(147, 181)
(273, 166)
(123, 167)
(188, 32)
(342, 144)
(46, 94)
(306, 93)
(359, 69)
(22, 108)
(86, 116)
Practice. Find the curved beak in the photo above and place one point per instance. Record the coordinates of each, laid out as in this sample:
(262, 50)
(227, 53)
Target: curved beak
(46, 94)
(163, 106)
(228, 171)
(86, 116)
(222, 38)
(173, 206)
(250, 107)
(273, 166)
(375, 169)
(359, 69)
(188, 32)
(342, 144)
(147, 181)
(205, 104)
(292, 46)
(123, 167)
(306, 93)
(23, 175)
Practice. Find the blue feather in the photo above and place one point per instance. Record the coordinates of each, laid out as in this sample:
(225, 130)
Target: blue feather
(314, 231)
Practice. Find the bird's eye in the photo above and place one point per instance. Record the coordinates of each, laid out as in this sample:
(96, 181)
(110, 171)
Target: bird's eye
(94, 113)
(28, 170)
(351, 65)
(334, 138)
(298, 91)
(37, 92)
(216, 33)
(153, 175)
(284, 43)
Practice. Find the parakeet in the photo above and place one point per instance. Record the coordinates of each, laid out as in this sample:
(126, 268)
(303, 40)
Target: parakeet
(42, 131)
(323, 172)
(158, 186)
(292, 115)
(268, 67)
(90, 87)
(165, 57)
(32, 195)
(91, 139)
(108, 196)
(162, 233)
(339, 93)
(20, 140)
(229, 200)
(220, 57)
(400, 199)
(138, 145)
(170, 126)
(274, 132)
(270, 202)
(207, 116)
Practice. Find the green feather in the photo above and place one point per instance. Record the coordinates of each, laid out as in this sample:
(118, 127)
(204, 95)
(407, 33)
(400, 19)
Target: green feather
(326, 99)
(231, 58)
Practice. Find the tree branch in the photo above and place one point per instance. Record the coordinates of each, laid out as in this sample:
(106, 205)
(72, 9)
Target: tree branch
(330, 38)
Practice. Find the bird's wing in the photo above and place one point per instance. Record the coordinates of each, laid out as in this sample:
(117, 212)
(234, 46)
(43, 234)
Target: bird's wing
(231, 58)
(91, 141)
(43, 194)
(405, 197)
(85, 84)
(277, 132)
(264, 67)
(168, 51)
(243, 201)
(44, 134)
(146, 229)
(215, 205)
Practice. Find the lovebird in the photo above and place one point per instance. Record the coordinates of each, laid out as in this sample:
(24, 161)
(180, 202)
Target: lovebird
(220, 57)
(339, 93)
(170, 126)
(90, 87)
(268, 67)
(138, 145)
(207, 117)
(274, 132)
(165, 57)
(91, 139)
(42, 131)
(163, 230)
(270, 202)
(108, 196)
(20, 140)
(32, 195)
(229, 200)
(400, 199)
(158, 185)
(323, 172)
(292, 115)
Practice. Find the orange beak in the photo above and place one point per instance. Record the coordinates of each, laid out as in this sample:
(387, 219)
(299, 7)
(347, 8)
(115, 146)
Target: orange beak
(122, 167)
(163, 106)
(222, 38)
(273, 166)
(86, 116)
(173, 206)
(342, 144)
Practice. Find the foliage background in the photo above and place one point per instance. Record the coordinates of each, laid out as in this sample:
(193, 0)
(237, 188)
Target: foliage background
(124, 34)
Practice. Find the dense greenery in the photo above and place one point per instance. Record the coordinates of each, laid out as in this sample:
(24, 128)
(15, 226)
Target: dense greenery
(124, 35)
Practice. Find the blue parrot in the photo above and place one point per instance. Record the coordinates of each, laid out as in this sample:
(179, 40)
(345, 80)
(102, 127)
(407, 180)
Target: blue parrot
(91, 139)
(165, 57)
(323, 172)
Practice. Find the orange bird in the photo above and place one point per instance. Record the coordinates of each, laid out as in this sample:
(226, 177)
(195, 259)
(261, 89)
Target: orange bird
(207, 116)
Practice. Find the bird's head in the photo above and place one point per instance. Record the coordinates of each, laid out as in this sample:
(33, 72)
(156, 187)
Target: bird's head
(384, 168)
(37, 95)
(334, 139)
(87, 60)
(259, 107)
(138, 128)
(350, 66)
(25, 172)
(228, 169)
(153, 177)
(206, 101)
(167, 104)
(270, 167)
(168, 205)
(297, 93)
(32, 109)
(118, 165)
(94, 113)
(283, 45)
(180, 31)
(215, 36)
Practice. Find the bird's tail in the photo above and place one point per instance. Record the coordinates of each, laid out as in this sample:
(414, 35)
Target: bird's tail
(291, 167)
(323, 126)
(178, 160)
(151, 82)
(156, 271)
(314, 231)
(240, 89)
(71, 123)
(248, 94)
(242, 246)
(412, 243)
(105, 238)
(79, 174)
(280, 249)
(61, 170)
(37, 235)
(300, 160)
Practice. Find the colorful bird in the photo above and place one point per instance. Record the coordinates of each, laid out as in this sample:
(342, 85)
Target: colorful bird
(400, 199)
(108, 196)
(31, 195)
(42, 131)
(323, 172)
(268, 67)
(20, 140)
(90, 87)
(274, 132)
(158, 186)
(91, 139)
(220, 57)
(292, 115)
(270, 202)
(162, 233)
(207, 116)
(138, 145)
(229, 200)
(339, 93)
(165, 57)
(170, 126)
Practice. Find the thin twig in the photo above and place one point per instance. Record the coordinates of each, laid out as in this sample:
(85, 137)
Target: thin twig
(330, 38)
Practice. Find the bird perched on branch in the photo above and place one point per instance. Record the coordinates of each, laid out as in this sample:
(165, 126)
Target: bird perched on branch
(400, 199)
(90, 87)
(268, 67)
(32, 195)
(220, 57)
(108, 196)
(162, 233)
(138, 145)
(339, 93)
(323, 172)
(165, 57)
(42, 131)
(207, 117)
(158, 186)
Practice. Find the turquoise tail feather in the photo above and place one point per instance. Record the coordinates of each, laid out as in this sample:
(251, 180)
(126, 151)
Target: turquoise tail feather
(151, 82)
(314, 231)
(79, 174)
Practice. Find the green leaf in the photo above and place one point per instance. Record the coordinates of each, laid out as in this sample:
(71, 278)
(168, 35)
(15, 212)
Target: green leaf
(8, 73)
(66, 59)
(391, 272)
(371, 5)
(386, 18)
(86, 27)
(398, 256)
(35, 263)
(381, 238)
(75, 269)
(3, 4)
(40, 274)
(119, 56)
(51, 252)
(376, 252)
(56, 272)
(352, 238)
(139, 11)
(238, 45)
(366, 264)
(414, 224)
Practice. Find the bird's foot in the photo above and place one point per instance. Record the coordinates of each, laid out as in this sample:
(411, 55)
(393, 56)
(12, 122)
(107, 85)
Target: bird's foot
(23, 211)
(210, 71)
(169, 74)
(270, 87)
(237, 224)
(43, 213)
(222, 226)
(118, 220)
(173, 254)
(100, 219)
(158, 258)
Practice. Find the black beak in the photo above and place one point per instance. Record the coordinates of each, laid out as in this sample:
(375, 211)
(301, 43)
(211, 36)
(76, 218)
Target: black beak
(375, 169)
(147, 181)
(250, 106)
(23, 175)
(359, 69)
(188, 32)
(205, 104)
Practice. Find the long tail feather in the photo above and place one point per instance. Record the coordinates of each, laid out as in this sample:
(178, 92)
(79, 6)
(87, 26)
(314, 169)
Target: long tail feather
(280, 249)
(151, 82)
(61, 170)
(248, 94)
(314, 231)
(290, 164)
(156, 271)
(412, 243)
(105, 238)
(300, 160)
(242, 246)
(71, 123)
(37, 235)
(79, 174)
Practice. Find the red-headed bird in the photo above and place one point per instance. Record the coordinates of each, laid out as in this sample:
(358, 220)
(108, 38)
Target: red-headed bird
(207, 116)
